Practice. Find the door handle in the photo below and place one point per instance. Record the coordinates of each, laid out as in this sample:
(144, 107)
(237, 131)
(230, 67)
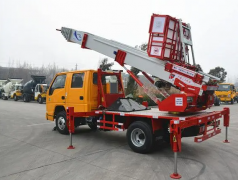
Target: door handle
(63, 97)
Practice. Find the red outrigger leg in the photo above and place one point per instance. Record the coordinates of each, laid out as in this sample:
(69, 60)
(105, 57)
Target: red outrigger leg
(70, 124)
(175, 139)
(226, 122)
(208, 120)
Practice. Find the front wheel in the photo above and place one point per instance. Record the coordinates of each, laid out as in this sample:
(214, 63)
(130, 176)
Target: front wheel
(217, 102)
(61, 125)
(140, 137)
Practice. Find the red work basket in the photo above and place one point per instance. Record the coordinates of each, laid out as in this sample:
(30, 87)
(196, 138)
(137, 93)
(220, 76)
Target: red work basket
(164, 41)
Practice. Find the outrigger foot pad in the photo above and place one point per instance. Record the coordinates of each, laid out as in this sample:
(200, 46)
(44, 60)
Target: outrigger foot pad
(226, 141)
(175, 176)
(71, 147)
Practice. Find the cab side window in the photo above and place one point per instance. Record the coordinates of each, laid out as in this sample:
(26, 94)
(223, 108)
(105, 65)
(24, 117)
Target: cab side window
(40, 88)
(95, 79)
(58, 83)
(77, 80)
(36, 88)
(233, 88)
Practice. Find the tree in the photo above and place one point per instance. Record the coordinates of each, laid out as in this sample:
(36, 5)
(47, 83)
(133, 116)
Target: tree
(131, 84)
(219, 72)
(199, 67)
(105, 65)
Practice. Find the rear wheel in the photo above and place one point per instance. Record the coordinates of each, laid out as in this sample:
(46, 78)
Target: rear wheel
(92, 123)
(15, 97)
(140, 137)
(25, 98)
(5, 97)
(61, 125)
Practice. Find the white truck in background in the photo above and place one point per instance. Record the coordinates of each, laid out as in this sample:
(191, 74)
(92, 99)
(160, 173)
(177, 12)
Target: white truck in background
(11, 88)
(2, 82)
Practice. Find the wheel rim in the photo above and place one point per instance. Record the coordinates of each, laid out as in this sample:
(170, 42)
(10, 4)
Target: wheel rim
(138, 137)
(61, 123)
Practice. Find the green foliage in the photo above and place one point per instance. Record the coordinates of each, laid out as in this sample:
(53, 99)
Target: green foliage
(104, 65)
(131, 84)
(142, 47)
(219, 72)
(199, 67)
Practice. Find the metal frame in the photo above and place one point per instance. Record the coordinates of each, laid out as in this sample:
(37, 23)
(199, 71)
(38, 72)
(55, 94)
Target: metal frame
(177, 124)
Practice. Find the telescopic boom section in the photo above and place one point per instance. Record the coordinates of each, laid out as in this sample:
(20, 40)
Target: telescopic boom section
(167, 57)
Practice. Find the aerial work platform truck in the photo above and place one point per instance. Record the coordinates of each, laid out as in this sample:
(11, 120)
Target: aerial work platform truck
(82, 97)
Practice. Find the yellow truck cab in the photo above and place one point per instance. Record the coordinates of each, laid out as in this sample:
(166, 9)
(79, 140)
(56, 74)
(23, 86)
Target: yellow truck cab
(76, 89)
(226, 92)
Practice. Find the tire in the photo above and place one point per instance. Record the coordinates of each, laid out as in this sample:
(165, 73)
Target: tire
(15, 97)
(140, 137)
(217, 102)
(40, 100)
(5, 97)
(61, 123)
(25, 99)
(93, 126)
(232, 101)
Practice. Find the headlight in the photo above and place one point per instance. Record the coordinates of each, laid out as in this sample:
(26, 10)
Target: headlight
(228, 95)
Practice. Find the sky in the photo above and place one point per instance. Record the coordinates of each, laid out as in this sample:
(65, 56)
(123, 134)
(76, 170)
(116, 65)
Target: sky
(27, 29)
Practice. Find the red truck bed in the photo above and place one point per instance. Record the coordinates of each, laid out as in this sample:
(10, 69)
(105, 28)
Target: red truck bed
(208, 121)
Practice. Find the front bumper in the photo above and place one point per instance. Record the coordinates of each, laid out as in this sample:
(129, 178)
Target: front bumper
(226, 99)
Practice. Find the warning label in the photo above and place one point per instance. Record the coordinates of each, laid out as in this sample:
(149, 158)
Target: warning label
(174, 139)
(179, 101)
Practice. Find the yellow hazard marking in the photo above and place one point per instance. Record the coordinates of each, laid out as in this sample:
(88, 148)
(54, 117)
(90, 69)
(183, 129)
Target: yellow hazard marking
(174, 139)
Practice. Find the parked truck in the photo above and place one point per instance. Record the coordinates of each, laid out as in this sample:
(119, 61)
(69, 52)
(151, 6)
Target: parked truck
(34, 89)
(2, 82)
(226, 92)
(40, 93)
(14, 85)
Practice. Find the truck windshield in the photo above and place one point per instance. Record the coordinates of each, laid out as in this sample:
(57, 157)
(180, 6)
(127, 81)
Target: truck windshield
(19, 87)
(224, 87)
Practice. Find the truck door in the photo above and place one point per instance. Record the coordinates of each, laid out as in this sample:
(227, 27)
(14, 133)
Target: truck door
(36, 92)
(56, 94)
(233, 92)
(76, 92)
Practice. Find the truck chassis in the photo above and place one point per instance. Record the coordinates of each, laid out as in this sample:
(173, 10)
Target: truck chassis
(208, 123)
